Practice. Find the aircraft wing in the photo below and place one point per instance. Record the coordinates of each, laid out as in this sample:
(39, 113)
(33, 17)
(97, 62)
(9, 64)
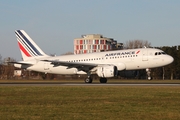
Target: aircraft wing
(80, 66)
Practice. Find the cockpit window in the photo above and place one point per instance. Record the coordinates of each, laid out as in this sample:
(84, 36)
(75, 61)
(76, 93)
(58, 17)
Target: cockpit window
(160, 53)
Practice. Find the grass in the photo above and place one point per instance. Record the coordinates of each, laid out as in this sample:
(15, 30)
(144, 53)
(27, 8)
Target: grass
(102, 102)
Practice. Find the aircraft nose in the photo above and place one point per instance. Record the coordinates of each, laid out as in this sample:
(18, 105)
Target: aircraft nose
(170, 59)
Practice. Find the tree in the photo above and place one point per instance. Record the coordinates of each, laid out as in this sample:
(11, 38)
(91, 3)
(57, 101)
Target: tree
(7, 69)
(170, 69)
(177, 70)
(136, 44)
(0, 59)
(68, 53)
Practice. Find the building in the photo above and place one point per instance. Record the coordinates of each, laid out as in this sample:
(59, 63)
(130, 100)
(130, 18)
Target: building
(95, 43)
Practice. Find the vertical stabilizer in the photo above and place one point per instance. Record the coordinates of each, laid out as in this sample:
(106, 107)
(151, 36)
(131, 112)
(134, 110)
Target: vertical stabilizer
(29, 49)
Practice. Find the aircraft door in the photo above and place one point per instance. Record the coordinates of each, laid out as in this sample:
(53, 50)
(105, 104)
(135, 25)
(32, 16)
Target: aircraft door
(145, 55)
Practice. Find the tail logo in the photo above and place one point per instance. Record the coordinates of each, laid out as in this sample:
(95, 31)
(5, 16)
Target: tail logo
(137, 51)
(26, 44)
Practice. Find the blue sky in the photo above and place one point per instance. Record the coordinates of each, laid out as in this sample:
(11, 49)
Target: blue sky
(53, 24)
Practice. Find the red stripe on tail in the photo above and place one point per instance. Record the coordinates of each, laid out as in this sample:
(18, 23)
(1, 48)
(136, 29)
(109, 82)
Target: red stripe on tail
(24, 50)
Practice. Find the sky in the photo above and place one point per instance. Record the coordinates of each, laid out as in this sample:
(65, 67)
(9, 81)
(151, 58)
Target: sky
(54, 24)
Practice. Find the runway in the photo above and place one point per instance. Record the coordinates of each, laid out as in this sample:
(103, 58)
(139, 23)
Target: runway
(84, 84)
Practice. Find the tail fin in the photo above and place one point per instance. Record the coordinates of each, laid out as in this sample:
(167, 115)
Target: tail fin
(29, 49)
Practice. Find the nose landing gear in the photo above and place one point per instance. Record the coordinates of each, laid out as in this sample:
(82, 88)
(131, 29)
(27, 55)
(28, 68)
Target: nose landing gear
(148, 71)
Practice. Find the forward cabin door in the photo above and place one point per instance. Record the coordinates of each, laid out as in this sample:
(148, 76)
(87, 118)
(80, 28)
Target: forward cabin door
(145, 55)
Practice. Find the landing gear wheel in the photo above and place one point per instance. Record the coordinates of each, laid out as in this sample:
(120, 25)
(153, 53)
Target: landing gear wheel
(88, 80)
(103, 80)
(148, 71)
(149, 78)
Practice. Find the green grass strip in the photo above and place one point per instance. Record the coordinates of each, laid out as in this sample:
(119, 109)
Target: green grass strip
(90, 103)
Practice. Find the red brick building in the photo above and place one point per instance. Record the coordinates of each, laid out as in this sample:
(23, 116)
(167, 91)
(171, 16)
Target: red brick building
(94, 43)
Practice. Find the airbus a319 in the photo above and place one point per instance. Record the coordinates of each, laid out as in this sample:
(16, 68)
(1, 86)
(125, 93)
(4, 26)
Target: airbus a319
(104, 64)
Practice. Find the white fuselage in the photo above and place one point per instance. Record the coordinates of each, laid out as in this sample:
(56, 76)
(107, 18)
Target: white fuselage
(130, 59)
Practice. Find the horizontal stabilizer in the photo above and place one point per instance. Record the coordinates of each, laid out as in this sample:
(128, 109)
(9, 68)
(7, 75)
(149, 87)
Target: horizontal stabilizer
(24, 62)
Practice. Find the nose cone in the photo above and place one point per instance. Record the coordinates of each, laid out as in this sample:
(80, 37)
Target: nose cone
(169, 59)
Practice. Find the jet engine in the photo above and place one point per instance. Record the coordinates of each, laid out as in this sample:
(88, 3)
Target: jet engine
(107, 71)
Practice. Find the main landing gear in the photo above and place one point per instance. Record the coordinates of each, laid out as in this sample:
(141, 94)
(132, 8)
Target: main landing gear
(44, 76)
(103, 80)
(89, 80)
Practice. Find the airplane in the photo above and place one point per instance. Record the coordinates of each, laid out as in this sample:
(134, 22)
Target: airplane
(105, 64)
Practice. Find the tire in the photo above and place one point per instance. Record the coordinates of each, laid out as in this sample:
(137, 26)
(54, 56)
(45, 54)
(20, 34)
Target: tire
(103, 80)
(149, 78)
(88, 80)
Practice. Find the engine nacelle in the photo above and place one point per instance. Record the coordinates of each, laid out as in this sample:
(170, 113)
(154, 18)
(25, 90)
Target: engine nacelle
(107, 71)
